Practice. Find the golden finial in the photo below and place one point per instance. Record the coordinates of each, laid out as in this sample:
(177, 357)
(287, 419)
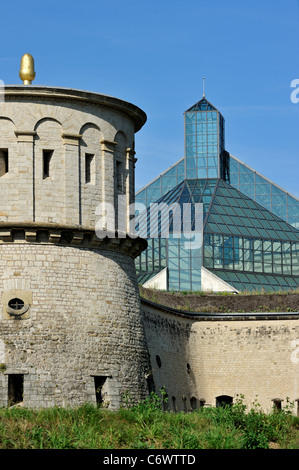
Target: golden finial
(27, 73)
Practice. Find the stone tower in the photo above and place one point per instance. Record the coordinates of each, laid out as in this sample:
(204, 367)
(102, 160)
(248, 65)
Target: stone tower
(70, 327)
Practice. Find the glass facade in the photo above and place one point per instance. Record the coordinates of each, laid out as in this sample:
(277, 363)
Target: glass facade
(204, 141)
(162, 184)
(249, 231)
(264, 191)
(241, 235)
(178, 251)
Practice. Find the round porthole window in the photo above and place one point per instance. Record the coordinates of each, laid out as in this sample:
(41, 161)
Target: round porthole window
(16, 307)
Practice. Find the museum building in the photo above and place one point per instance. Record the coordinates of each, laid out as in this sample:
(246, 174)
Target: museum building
(249, 235)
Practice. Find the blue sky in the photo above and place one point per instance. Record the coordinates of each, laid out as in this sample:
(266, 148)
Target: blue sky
(155, 53)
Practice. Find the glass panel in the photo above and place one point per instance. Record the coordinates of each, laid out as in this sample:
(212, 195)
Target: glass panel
(262, 188)
(190, 117)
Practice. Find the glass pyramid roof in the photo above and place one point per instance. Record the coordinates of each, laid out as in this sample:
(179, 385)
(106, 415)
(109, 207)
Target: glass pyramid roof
(226, 211)
(248, 281)
(202, 105)
(245, 244)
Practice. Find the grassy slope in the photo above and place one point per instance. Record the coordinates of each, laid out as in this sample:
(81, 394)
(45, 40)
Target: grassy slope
(145, 426)
(224, 303)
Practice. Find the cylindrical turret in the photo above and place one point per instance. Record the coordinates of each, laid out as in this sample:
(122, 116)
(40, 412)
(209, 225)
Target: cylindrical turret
(71, 328)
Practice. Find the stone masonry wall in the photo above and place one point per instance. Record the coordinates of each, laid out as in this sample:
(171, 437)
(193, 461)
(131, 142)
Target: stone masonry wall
(207, 359)
(84, 321)
(71, 129)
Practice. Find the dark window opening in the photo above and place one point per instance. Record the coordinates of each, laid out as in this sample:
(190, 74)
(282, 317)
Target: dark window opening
(202, 403)
(99, 382)
(174, 404)
(150, 384)
(224, 400)
(188, 368)
(47, 155)
(120, 183)
(88, 167)
(184, 404)
(193, 403)
(277, 404)
(16, 304)
(15, 388)
(3, 162)
(158, 360)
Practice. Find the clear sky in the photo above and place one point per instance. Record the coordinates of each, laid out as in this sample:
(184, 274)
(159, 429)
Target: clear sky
(155, 53)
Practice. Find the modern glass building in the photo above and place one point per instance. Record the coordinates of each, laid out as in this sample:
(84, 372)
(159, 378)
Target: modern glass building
(248, 238)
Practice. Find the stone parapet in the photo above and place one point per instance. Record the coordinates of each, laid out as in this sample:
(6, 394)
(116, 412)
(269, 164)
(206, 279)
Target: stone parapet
(68, 236)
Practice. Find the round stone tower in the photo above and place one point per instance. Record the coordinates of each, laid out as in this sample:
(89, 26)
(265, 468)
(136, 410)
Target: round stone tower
(70, 327)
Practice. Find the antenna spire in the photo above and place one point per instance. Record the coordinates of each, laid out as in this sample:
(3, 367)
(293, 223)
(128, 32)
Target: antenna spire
(203, 87)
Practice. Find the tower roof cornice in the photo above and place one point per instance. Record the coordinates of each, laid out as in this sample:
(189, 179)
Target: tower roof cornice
(69, 94)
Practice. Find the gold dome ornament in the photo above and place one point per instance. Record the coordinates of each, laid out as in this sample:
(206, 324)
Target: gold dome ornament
(27, 73)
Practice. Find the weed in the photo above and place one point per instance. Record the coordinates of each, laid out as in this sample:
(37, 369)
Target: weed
(145, 425)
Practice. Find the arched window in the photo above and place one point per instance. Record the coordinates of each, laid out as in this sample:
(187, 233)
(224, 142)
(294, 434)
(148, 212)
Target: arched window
(224, 400)
(174, 404)
(193, 403)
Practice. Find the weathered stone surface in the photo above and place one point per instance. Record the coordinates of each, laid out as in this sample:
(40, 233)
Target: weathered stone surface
(205, 358)
(84, 321)
(76, 311)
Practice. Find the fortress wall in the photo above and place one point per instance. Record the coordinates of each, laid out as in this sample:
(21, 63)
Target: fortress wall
(168, 337)
(255, 358)
(84, 321)
(70, 318)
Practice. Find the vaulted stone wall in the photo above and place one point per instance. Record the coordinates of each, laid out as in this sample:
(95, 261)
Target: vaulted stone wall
(208, 356)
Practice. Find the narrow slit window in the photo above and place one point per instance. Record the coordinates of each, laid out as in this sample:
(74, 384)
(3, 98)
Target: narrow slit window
(47, 156)
(89, 168)
(99, 382)
(15, 389)
(120, 181)
(3, 162)
(174, 404)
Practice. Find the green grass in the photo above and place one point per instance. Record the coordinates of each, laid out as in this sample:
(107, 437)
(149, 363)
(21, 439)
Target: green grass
(200, 293)
(146, 426)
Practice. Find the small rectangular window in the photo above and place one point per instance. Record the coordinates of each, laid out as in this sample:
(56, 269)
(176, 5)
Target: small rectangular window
(47, 155)
(120, 186)
(3, 162)
(89, 168)
(277, 403)
(99, 382)
(15, 388)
